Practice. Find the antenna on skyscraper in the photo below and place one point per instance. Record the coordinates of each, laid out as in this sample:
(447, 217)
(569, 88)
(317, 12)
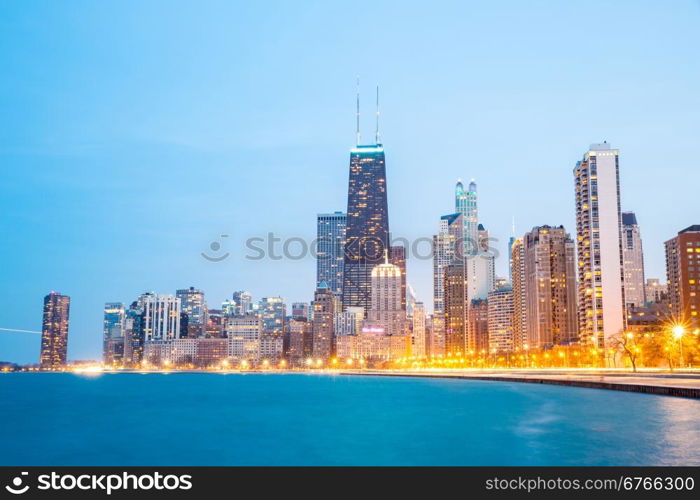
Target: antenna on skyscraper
(376, 135)
(357, 114)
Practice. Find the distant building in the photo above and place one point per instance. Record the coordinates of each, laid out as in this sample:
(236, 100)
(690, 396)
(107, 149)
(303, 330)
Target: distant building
(193, 304)
(54, 331)
(632, 261)
(601, 302)
(244, 334)
(517, 279)
(134, 338)
(324, 307)
(550, 287)
(478, 326)
(243, 303)
(654, 291)
(456, 310)
(397, 257)
(330, 245)
(683, 275)
(113, 333)
(161, 317)
(387, 307)
(274, 311)
(419, 346)
(348, 322)
(300, 341)
(301, 311)
(500, 320)
(367, 230)
(448, 247)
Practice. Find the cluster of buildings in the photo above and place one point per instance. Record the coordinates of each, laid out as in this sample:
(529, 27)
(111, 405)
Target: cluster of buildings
(562, 289)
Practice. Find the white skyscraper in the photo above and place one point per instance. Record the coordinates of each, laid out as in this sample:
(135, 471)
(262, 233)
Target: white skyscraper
(633, 261)
(450, 234)
(598, 227)
(161, 317)
(478, 260)
(386, 309)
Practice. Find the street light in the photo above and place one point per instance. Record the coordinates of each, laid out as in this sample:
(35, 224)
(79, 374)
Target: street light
(678, 332)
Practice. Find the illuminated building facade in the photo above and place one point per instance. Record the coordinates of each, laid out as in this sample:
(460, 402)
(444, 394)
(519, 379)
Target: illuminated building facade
(419, 346)
(601, 300)
(243, 335)
(445, 252)
(397, 256)
(387, 305)
(456, 309)
(113, 333)
(330, 241)
(632, 261)
(192, 303)
(273, 311)
(655, 291)
(478, 318)
(500, 320)
(161, 317)
(324, 307)
(367, 231)
(550, 287)
(54, 331)
(517, 280)
(683, 275)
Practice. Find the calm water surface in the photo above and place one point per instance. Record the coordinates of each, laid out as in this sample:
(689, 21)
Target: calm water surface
(256, 419)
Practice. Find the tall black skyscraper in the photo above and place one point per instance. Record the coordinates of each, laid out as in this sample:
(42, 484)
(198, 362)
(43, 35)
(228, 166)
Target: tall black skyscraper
(367, 231)
(54, 331)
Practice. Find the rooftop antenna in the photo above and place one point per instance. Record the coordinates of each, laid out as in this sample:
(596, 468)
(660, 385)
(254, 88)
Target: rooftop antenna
(376, 135)
(357, 114)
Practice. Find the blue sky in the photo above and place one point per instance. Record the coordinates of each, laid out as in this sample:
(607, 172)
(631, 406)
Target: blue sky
(132, 134)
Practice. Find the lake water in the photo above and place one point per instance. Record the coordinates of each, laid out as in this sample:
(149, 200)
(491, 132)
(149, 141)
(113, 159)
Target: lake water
(281, 419)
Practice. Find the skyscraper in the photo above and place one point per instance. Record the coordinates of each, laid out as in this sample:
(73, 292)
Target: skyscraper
(397, 256)
(330, 245)
(456, 309)
(601, 302)
(192, 303)
(550, 287)
(161, 317)
(243, 303)
(367, 231)
(273, 311)
(517, 280)
(113, 333)
(386, 310)
(324, 306)
(445, 251)
(683, 275)
(54, 331)
(500, 320)
(419, 347)
(632, 261)
(134, 334)
(478, 259)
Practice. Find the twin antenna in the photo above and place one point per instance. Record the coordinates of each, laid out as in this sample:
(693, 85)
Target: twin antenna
(357, 116)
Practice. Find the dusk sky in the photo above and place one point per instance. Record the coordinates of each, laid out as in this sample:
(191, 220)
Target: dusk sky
(133, 134)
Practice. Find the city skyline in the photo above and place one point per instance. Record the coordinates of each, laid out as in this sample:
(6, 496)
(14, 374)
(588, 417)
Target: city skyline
(173, 272)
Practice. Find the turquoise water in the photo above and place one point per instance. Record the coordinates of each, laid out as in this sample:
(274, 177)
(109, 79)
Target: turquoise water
(259, 419)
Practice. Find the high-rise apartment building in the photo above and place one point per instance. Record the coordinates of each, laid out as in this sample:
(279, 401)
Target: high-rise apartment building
(448, 246)
(273, 311)
(550, 287)
(517, 280)
(632, 261)
(683, 275)
(397, 256)
(330, 247)
(387, 307)
(54, 331)
(456, 309)
(601, 311)
(478, 328)
(243, 303)
(500, 320)
(161, 317)
(193, 304)
(367, 230)
(113, 333)
(324, 307)
(419, 346)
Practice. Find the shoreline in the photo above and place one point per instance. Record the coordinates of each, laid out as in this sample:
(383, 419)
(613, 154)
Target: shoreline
(687, 384)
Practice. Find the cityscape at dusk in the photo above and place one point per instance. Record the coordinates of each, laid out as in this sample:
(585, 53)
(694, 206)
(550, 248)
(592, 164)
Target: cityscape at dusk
(292, 218)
